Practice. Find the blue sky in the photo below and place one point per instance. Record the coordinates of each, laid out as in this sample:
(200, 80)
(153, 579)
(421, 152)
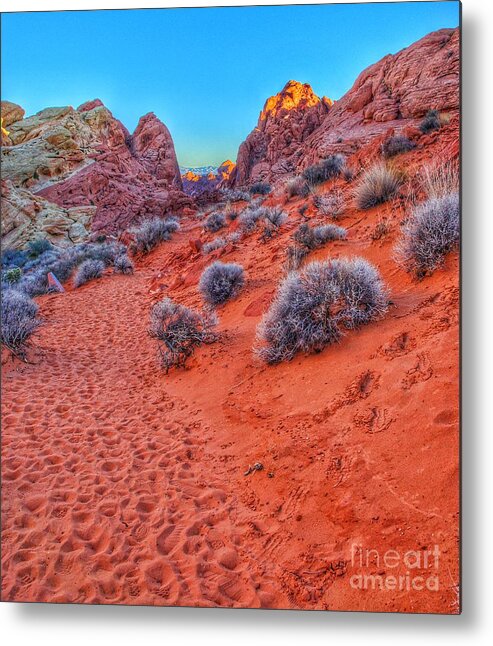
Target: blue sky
(205, 72)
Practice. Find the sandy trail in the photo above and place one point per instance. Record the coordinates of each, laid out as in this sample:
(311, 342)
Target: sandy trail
(107, 498)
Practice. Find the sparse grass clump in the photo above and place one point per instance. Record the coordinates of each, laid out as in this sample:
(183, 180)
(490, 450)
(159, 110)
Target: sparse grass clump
(382, 229)
(215, 222)
(324, 170)
(440, 179)
(13, 258)
(149, 233)
(37, 247)
(260, 188)
(12, 275)
(179, 330)
(213, 245)
(273, 218)
(19, 321)
(295, 255)
(221, 282)
(377, 185)
(330, 204)
(396, 145)
(314, 306)
(123, 265)
(430, 122)
(236, 195)
(88, 270)
(296, 186)
(432, 231)
(315, 237)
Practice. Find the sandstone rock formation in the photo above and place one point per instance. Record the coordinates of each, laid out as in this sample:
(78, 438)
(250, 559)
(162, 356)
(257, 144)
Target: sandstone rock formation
(87, 158)
(285, 123)
(395, 92)
(26, 217)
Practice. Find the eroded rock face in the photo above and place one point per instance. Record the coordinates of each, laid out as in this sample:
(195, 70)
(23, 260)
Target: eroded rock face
(87, 158)
(394, 93)
(153, 146)
(11, 112)
(294, 130)
(26, 217)
(285, 123)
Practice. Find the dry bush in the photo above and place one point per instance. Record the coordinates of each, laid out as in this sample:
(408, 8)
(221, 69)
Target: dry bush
(330, 204)
(314, 306)
(151, 232)
(215, 222)
(179, 330)
(396, 146)
(432, 231)
(296, 186)
(377, 185)
(88, 270)
(314, 237)
(430, 122)
(440, 179)
(382, 228)
(221, 282)
(260, 188)
(19, 321)
(295, 255)
(123, 265)
(324, 170)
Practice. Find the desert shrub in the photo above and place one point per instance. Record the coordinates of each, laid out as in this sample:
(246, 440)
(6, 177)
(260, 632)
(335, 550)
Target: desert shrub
(230, 213)
(220, 282)
(19, 321)
(235, 195)
(294, 257)
(272, 217)
(396, 145)
(324, 170)
(260, 188)
(314, 306)
(13, 258)
(430, 122)
(432, 231)
(377, 185)
(88, 270)
(296, 186)
(215, 222)
(440, 179)
(250, 217)
(213, 245)
(234, 237)
(179, 330)
(34, 283)
(382, 228)
(36, 247)
(12, 275)
(314, 237)
(275, 216)
(123, 265)
(330, 204)
(106, 252)
(151, 232)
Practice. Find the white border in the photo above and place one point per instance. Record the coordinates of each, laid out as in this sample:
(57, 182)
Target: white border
(51, 625)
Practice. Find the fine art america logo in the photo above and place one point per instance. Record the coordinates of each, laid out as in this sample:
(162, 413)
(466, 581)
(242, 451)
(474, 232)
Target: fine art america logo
(394, 570)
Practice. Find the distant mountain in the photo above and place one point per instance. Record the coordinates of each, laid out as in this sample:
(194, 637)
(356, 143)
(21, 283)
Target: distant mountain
(198, 170)
(205, 179)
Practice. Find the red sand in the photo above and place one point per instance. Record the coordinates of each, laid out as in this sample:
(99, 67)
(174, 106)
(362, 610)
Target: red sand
(124, 485)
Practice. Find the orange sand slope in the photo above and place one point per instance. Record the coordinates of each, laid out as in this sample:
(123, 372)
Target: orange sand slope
(124, 485)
